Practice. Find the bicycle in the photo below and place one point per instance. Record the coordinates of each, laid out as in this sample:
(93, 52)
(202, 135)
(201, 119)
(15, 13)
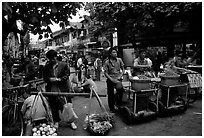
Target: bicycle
(12, 118)
(13, 98)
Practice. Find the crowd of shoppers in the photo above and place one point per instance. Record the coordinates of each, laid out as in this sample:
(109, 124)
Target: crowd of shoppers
(56, 73)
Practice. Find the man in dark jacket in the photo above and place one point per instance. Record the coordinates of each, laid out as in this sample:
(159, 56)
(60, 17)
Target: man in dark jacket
(56, 75)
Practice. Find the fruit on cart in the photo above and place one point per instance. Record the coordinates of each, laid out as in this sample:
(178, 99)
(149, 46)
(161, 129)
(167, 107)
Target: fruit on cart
(44, 130)
(142, 77)
(169, 74)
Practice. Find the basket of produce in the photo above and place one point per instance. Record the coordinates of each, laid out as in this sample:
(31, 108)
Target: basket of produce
(169, 78)
(140, 82)
(39, 117)
(98, 124)
(44, 129)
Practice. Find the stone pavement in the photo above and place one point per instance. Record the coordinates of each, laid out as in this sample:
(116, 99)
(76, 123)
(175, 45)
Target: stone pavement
(187, 124)
(81, 107)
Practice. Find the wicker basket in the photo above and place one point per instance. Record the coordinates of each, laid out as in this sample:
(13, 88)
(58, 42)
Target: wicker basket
(104, 128)
(140, 84)
(98, 124)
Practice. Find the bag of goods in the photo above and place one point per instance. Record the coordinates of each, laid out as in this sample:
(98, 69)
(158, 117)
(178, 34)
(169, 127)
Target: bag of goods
(68, 114)
(99, 124)
(44, 129)
(39, 112)
(140, 82)
(40, 109)
(77, 89)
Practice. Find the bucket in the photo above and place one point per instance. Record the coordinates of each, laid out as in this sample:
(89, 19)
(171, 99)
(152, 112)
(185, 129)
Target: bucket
(170, 80)
(140, 84)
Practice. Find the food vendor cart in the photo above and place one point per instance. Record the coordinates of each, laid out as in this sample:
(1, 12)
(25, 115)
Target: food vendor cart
(142, 101)
(173, 94)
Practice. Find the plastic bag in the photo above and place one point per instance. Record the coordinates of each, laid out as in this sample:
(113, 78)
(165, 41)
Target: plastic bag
(40, 109)
(68, 114)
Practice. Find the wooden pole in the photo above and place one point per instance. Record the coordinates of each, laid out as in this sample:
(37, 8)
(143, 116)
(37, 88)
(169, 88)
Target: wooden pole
(66, 94)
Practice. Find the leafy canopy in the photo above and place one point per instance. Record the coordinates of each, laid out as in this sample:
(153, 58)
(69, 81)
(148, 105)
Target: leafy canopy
(141, 17)
(37, 16)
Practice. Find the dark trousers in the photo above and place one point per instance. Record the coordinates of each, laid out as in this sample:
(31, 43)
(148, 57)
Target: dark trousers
(114, 99)
(79, 75)
(98, 74)
(55, 105)
(41, 71)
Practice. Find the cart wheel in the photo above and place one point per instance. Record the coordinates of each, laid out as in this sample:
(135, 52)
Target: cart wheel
(192, 97)
(126, 114)
(181, 101)
(153, 106)
(161, 108)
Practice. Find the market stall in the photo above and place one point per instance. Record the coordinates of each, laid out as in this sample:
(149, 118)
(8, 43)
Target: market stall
(141, 102)
(150, 96)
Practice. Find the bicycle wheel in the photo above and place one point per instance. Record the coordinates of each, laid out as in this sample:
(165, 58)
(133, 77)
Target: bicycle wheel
(183, 104)
(12, 126)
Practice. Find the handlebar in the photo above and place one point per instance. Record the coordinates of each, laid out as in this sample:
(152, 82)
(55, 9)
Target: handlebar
(17, 87)
(35, 81)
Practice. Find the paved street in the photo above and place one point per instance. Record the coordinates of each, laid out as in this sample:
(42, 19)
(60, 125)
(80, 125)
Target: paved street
(150, 39)
(187, 124)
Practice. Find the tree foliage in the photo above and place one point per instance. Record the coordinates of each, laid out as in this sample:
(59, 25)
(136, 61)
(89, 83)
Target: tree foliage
(36, 16)
(143, 17)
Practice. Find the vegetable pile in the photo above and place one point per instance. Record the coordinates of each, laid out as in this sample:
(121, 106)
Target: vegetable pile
(44, 130)
(169, 74)
(99, 124)
(142, 77)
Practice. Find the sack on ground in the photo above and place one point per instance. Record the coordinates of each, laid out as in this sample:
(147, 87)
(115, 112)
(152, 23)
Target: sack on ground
(68, 114)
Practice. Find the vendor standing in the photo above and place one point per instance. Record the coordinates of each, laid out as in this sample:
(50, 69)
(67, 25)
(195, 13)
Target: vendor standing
(141, 64)
(114, 70)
